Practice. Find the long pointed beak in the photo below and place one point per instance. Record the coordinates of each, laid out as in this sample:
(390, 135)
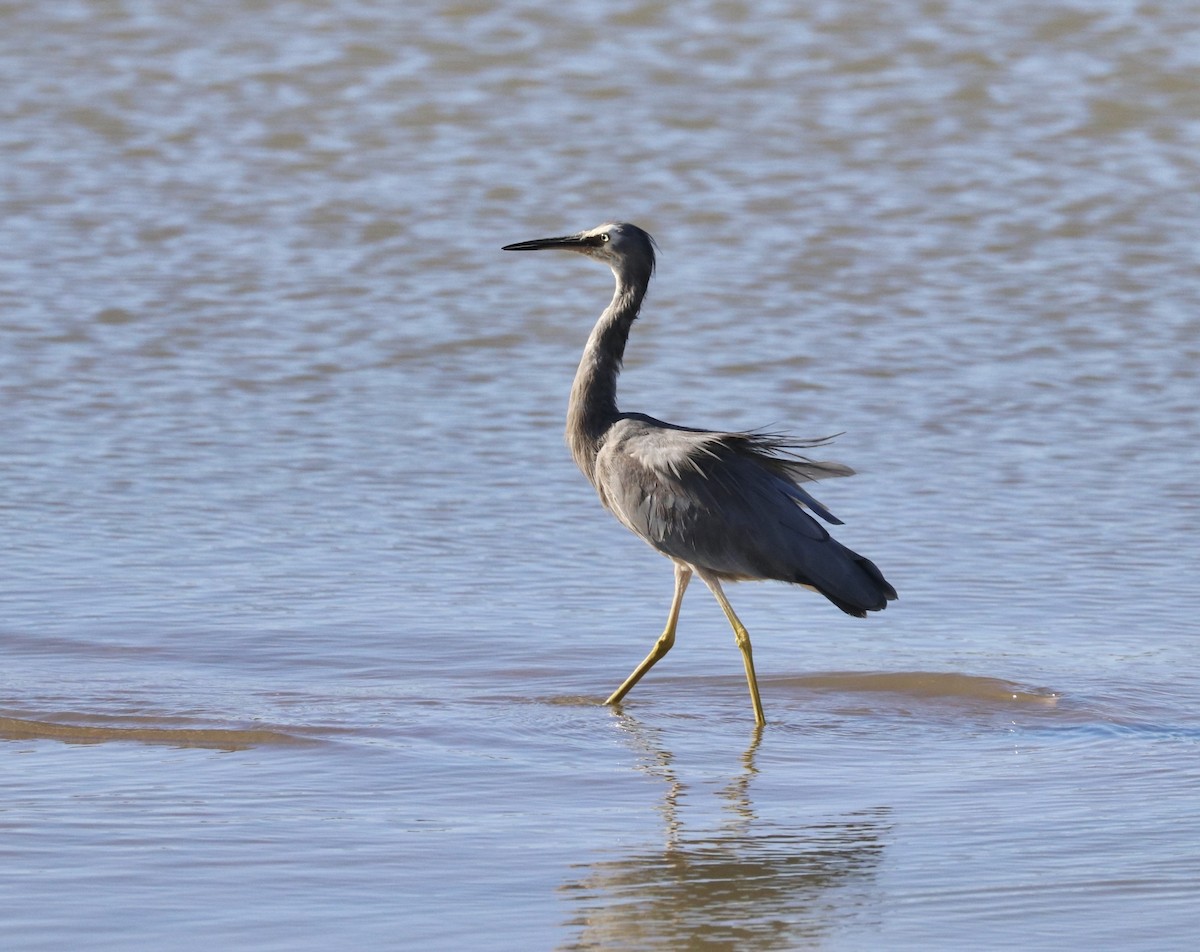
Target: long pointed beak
(566, 243)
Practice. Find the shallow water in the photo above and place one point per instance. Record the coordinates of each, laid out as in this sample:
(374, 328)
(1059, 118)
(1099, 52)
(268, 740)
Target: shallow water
(307, 616)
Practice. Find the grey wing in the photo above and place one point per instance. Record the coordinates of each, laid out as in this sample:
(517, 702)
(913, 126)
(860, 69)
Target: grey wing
(720, 501)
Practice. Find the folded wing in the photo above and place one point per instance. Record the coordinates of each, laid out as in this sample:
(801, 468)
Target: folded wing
(732, 504)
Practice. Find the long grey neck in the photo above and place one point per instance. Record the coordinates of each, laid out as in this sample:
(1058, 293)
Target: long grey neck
(593, 405)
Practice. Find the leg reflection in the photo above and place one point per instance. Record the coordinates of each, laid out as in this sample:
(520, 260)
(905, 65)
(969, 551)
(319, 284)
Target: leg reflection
(727, 875)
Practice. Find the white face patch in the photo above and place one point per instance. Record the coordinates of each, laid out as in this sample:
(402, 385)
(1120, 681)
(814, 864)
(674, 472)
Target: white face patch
(621, 241)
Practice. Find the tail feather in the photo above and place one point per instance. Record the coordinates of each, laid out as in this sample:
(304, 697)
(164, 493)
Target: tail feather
(859, 587)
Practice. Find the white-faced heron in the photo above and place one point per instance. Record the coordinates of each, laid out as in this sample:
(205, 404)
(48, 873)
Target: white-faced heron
(725, 506)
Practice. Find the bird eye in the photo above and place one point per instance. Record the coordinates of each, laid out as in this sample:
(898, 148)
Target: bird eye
(604, 238)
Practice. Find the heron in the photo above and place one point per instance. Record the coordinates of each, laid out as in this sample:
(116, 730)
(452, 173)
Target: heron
(727, 506)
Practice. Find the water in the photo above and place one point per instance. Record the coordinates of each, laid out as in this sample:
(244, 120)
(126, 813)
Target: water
(306, 615)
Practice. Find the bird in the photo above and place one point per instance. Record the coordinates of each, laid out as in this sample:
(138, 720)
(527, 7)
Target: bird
(723, 505)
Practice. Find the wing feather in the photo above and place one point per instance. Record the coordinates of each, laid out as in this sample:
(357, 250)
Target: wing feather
(730, 502)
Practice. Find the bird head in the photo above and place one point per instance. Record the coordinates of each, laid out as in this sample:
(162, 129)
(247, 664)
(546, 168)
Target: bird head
(623, 247)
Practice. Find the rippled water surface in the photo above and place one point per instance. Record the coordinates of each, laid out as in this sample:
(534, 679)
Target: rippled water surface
(307, 616)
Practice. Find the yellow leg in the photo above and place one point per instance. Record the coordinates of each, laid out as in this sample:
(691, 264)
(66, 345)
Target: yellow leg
(742, 637)
(683, 575)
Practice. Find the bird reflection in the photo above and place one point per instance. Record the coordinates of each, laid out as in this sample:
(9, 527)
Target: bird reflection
(742, 884)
